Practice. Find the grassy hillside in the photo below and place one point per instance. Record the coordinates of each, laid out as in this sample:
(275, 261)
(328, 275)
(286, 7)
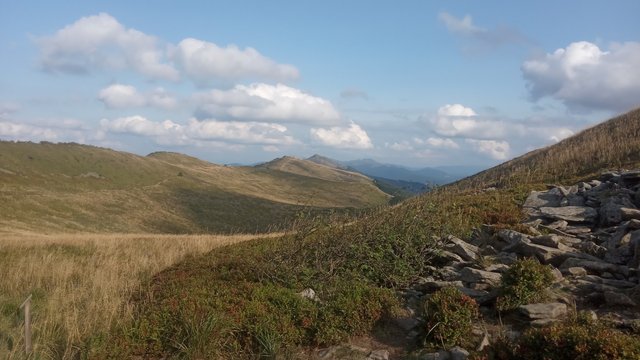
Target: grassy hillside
(352, 264)
(611, 145)
(71, 187)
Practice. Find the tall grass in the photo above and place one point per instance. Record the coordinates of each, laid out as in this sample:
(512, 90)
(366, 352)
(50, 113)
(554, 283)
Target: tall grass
(81, 284)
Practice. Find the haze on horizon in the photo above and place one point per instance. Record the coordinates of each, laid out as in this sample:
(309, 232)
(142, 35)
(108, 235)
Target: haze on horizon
(417, 84)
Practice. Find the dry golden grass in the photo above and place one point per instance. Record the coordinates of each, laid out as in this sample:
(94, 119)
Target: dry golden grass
(81, 284)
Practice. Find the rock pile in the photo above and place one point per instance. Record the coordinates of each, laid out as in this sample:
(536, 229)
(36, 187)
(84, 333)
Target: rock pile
(589, 233)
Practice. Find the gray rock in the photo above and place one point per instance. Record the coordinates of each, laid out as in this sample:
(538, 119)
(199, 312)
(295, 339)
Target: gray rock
(448, 256)
(575, 271)
(611, 209)
(499, 268)
(544, 311)
(558, 225)
(615, 298)
(538, 199)
(629, 214)
(310, 294)
(458, 353)
(461, 248)
(432, 286)
(544, 254)
(622, 284)
(551, 240)
(378, 355)
(512, 237)
(597, 266)
(539, 323)
(570, 213)
(471, 275)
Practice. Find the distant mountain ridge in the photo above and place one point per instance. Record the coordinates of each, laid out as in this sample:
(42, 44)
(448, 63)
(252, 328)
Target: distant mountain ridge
(414, 179)
(72, 187)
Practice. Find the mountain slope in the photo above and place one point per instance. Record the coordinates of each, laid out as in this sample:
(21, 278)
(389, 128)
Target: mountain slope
(613, 144)
(71, 187)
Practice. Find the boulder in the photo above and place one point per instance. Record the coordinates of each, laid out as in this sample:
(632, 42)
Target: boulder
(570, 213)
(575, 271)
(538, 199)
(461, 248)
(550, 240)
(597, 266)
(544, 310)
(470, 275)
(629, 213)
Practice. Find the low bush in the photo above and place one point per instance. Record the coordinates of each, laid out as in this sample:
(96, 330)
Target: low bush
(575, 338)
(523, 283)
(449, 316)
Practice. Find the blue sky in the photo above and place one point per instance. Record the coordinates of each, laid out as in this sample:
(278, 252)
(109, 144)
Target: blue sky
(419, 83)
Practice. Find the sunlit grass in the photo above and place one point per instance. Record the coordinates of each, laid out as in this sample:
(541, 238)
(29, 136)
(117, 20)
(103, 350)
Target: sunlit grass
(81, 284)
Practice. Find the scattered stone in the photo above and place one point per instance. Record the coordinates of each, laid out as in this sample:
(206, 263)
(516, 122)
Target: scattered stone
(570, 213)
(463, 249)
(629, 214)
(575, 271)
(551, 240)
(470, 275)
(544, 311)
(458, 353)
(440, 355)
(310, 294)
(378, 355)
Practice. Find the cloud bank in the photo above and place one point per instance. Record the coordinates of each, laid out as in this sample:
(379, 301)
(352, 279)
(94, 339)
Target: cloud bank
(583, 76)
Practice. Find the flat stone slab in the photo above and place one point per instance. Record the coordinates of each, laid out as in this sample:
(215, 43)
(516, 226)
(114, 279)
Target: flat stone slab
(479, 276)
(544, 310)
(570, 213)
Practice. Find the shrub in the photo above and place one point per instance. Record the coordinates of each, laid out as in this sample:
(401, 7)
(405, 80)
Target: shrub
(449, 316)
(523, 283)
(575, 338)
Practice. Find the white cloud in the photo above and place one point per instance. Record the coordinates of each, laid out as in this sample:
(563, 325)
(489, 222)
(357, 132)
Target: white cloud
(101, 42)
(441, 143)
(456, 110)
(459, 121)
(498, 150)
(462, 26)
(204, 61)
(352, 137)
(584, 76)
(119, 96)
(263, 102)
(16, 131)
(482, 38)
(194, 132)
(560, 134)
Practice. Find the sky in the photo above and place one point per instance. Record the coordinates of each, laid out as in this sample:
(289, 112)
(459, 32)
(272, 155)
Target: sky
(416, 83)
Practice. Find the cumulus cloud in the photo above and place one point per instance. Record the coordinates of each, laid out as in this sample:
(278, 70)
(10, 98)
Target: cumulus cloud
(459, 121)
(101, 42)
(195, 131)
(119, 96)
(352, 137)
(584, 76)
(15, 131)
(204, 61)
(264, 102)
(481, 38)
(498, 150)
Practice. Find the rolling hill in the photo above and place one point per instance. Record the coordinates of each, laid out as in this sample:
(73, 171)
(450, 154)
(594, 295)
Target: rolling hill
(70, 187)
(354, 265)
(611, 145)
